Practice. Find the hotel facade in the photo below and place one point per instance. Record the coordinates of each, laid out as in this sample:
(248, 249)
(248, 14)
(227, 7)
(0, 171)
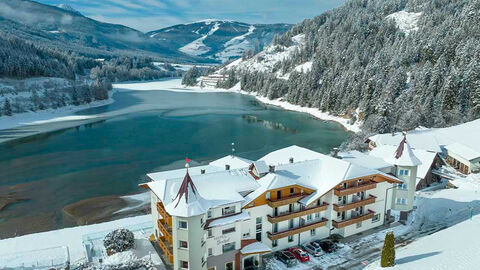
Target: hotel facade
(229, 213)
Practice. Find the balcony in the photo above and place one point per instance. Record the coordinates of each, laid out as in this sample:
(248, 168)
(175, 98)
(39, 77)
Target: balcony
(297, 230)
(353, 205)
(344, 223)
(295, 214)
(166, 248)
(161, 210)
(352, 189)
(165, 230)
(293, 198)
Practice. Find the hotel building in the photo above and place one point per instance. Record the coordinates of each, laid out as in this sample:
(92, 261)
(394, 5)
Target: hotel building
(227, 214)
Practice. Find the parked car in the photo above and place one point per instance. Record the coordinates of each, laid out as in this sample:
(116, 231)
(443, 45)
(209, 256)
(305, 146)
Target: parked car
(314, 249)
(327, 245)
(300, 254)
(286, 257)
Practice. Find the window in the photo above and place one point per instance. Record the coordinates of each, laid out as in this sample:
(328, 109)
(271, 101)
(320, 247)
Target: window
(182, 224)
(359, 224)
(201, 222)
(312, 232)
(402, 186)
(401, 201)
(183, 244)
(274, 243)
(290, 238)
(275, 227)
(228, 210)
(229, 230)
(292, 191)
(404, 172)
(267, 195)
(210, 251)
(228, 247)
(209, 214)
(229, 266)
(258, 229)
(309, 217)
(339, 214)
(209, 233)
(184, 264)
(376, 218)
(339, 199)
(317, 215)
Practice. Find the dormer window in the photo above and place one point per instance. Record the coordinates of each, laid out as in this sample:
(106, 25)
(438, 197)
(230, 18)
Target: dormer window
(228, 210)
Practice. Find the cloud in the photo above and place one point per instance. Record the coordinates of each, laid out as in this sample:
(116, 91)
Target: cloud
(147, 15)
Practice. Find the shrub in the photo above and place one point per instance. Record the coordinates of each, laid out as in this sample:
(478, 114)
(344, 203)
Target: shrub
(119, 240)
(388, 251)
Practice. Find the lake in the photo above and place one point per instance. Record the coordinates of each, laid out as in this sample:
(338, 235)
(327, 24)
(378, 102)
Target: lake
(112, 156)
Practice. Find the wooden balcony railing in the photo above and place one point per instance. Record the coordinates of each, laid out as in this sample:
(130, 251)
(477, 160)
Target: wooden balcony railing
(161, 210)
(353, 205)
(285, 200)
(165, 230)
(295, 214)
(166, 248)
(297, 230)
(355, 189)
(344, 223)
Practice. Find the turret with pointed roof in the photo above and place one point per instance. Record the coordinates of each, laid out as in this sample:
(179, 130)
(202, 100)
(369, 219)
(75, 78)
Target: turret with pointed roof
(188, 201)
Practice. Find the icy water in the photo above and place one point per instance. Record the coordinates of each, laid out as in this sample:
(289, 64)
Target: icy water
(111, 157)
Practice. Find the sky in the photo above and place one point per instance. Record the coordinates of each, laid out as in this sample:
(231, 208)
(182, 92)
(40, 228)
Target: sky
(148, 15)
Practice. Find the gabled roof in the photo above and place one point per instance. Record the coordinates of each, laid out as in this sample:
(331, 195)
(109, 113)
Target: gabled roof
(282, 156)
(463, 151)
(233, 161)
(261, 166)
(418, 139)
(365, 160)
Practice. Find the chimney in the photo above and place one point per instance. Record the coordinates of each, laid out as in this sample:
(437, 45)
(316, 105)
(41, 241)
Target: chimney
(291, 160)
(202, 171)
(271, 168)
(227, 167)
(334, 152)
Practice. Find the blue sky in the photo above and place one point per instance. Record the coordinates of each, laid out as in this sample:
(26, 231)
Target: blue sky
(147, 15)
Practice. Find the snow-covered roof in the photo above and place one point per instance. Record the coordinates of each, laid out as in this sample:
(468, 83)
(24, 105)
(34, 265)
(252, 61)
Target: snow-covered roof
(310, 169)
(256, 247)
(426, 158)
(463, 151)
(188, 202)
(218, 188)
(261, 166)
(403, 156)
(229, 219)
(233, 161)
(365, 160)
(418, 139)
(282, 156)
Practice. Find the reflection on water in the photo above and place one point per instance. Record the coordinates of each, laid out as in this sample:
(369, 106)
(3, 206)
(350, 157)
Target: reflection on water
(251, 119)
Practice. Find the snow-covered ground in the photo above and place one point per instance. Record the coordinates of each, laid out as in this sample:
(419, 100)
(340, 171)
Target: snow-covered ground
(454, 214)
(236, 46)
(45, 245)
(197, 47)
(406, 21)
(49, 115)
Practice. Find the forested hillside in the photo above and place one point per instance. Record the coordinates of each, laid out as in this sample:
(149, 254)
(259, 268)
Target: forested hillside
(399, 63)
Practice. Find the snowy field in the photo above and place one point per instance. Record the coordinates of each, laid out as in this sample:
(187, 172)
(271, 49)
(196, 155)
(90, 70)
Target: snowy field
(50, 246)
(406, 21)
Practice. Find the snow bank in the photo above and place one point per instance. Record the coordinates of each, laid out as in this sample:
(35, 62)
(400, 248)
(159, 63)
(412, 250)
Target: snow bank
(457, 247)
(406, 21)
(69, 237)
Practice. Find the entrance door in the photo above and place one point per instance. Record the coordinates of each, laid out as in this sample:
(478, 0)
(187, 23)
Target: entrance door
(279, 194)
(248, 263)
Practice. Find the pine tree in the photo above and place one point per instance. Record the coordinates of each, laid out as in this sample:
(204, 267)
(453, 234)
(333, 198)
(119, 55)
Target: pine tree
(388, 251)
(7, 109)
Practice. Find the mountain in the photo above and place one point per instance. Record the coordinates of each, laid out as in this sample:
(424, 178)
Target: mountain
(68, 30)
(68, 8)
(218, 39)
(389, 64)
